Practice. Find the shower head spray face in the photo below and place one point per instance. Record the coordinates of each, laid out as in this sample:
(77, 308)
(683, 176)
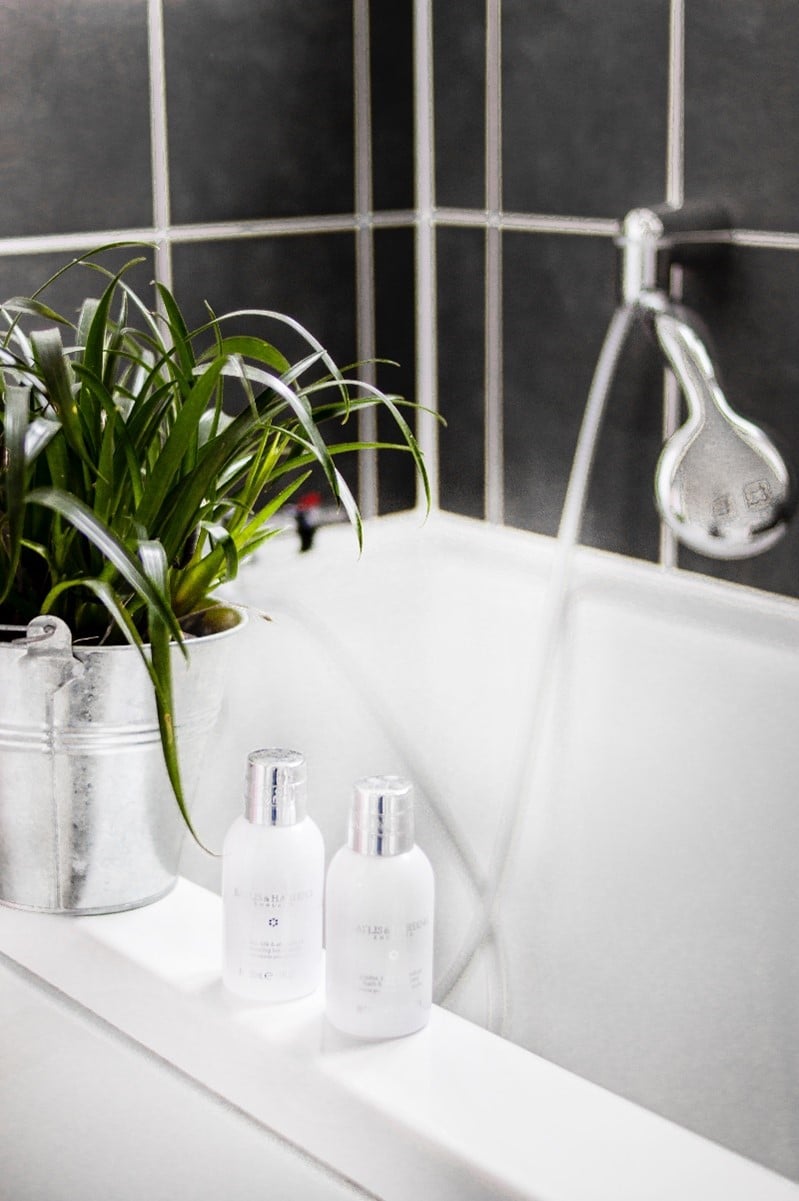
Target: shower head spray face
(724, 490)
(720, 484)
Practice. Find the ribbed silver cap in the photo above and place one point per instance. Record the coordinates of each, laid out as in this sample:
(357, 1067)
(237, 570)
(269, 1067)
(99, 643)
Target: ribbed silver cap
(275, 788)
(381, 819)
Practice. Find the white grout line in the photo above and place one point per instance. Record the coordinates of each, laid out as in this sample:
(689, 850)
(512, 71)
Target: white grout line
(71, 243)
(534, 223)
(675, 136)
(393, 219)
(221, 231)
(426, 325)
(494, 482)
(212, 232)
(672, 403)
(368, 480)
(159, 149)
(763, 240)
(493, 114)
(668, 554)
(269, 227)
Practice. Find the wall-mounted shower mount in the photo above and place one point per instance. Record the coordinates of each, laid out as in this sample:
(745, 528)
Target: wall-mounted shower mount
(720, 484)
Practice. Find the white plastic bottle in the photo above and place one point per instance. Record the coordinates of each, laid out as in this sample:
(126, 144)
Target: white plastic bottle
(273, 864)
(379, 903)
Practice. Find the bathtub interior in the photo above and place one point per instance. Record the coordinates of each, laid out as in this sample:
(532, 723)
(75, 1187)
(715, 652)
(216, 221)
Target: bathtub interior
(643, 931)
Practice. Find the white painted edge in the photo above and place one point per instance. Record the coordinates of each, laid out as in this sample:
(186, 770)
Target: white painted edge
(452, 1112)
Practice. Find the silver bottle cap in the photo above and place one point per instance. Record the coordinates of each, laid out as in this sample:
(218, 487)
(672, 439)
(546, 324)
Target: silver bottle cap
(275, 789)
(381, 819)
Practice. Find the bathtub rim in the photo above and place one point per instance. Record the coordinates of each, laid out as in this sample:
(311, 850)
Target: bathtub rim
(456, 1104)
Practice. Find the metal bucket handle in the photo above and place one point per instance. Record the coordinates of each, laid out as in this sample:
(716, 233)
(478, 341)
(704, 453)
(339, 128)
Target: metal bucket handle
(44, 635)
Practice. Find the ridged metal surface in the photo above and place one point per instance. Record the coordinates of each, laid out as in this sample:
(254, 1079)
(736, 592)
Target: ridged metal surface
(88, 820)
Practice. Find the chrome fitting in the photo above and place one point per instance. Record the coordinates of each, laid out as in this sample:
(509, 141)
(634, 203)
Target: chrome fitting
(654, 238)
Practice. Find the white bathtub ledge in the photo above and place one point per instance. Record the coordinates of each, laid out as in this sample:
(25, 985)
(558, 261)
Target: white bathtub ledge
(453, 1112)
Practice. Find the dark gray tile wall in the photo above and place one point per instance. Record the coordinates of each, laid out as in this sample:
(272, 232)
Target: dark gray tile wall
(259, 97)
(75, 116)
(585, 135)
(459, 63)
(577, 142)
(260, 123)
(742, 95)
(296, 274)
(461, 368)
(391, 82)
(395, 338)
(309, 276)
(584, 105)
(558, 295)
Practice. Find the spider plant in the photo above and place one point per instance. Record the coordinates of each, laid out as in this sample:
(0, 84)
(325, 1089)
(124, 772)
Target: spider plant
(131, 488)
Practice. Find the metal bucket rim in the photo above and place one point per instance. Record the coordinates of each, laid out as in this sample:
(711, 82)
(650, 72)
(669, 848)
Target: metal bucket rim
(86, 648)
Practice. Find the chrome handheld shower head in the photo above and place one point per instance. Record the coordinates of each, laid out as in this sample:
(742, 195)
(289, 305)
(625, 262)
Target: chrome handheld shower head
(720, 483)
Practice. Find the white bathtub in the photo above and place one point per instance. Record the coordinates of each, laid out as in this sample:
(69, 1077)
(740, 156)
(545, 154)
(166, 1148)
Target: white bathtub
(646, 928)
(648, 921)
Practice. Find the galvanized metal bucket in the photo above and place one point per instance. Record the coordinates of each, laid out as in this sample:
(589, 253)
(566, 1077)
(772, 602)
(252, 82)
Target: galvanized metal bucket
(88, 819)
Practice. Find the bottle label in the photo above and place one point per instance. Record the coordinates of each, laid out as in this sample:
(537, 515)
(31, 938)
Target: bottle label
(269, 936)
(393, 962)
(379, 958)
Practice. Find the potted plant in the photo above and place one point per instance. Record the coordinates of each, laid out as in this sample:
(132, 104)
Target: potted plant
(130, 490)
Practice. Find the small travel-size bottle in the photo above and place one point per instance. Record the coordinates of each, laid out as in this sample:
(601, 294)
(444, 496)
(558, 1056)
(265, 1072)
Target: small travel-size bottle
(273, 864)
(379, 903)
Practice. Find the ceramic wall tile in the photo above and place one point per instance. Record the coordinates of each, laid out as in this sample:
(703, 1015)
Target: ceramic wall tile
(76, 124)
(585, 102)
(559, 299)
(741, 98)
(260, 111)
(391, 79)
(260, 103)
(310, 278)
(459, 83)
(461, 309)
(395, 339)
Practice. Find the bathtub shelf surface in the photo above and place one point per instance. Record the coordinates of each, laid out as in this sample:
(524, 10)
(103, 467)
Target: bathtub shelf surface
(453, 1112)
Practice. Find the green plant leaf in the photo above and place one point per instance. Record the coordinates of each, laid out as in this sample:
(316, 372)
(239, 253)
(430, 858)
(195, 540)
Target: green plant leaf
(182, 435)
(48, 350)
(86, 316)
(249, 347)
(178, 329)
(33, 308)
(195, 581)
(304, 414)
(15, 427)
(39, 435)
(154, 564)
(115, 552)
(298, 327)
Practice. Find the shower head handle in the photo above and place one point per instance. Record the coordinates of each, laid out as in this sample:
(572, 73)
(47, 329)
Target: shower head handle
(720, 483)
